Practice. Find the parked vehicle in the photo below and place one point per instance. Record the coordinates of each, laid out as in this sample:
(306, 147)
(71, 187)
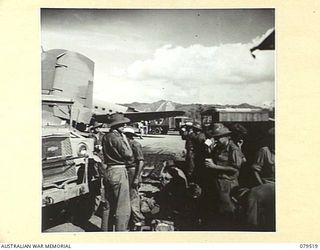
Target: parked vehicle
(162, 126)
(68, 170)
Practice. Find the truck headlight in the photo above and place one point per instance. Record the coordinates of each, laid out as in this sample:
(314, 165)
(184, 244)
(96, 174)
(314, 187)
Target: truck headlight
(83, 150)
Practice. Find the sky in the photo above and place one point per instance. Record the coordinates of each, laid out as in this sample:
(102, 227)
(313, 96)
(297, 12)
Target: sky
(181, 55)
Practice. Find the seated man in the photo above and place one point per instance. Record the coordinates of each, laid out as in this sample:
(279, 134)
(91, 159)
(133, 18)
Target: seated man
(264, 164)
(173, 194)
(178, 199)
(258, 207)
(259, 201)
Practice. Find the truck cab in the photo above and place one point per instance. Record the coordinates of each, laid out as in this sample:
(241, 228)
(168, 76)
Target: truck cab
(66, 154)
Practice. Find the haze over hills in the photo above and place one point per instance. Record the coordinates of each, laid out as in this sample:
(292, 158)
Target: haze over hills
(192, 110)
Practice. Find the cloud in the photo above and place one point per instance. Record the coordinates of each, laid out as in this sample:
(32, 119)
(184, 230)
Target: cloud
(219, 74)
(224, 64)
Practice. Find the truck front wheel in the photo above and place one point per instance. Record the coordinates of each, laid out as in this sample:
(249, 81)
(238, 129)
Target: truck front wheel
(157, 131)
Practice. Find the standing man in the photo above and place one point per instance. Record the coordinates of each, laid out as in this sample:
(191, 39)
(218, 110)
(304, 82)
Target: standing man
(134, 169)
(187, 134)
(198, 138)
(117, 153)
(146, 127)
(226, 162)
(141, 128)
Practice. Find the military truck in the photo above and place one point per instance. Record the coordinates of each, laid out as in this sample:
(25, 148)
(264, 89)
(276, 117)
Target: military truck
(68, 171)
(162, 126)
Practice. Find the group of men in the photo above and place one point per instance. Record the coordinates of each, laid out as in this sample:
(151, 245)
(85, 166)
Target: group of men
(215, 160)
(206, 195)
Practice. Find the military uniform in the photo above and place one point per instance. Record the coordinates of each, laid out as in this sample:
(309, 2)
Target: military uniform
(222, 176)
(187, 136)
(132, 168)
(264, 164)
(199, 150)
(116, 152)
(259, 207)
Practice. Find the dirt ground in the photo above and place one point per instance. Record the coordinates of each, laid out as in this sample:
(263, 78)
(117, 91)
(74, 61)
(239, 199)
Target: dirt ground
(156, 148)
(163, 144)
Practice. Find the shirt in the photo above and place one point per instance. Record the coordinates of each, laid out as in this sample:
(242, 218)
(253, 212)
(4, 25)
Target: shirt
(187, 136)
(230, 156)
(115, 150)
(265, 164)
(198, 144)
(137, 153)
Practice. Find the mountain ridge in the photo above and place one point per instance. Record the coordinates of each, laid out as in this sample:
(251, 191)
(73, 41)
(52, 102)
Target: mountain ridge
(192, 110)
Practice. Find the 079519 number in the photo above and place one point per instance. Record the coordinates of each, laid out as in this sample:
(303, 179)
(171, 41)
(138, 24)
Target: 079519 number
(308, 246)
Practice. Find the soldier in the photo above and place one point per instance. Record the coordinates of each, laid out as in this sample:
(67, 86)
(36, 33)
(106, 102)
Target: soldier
(141, 128)
(259, 206)
(117, 153)
(178, 198)
(198, 138)
(226, 162)
(259, 202)
(187, 134)
(97, 135)
(99, 165)
(134, 169)
(146, 127)
(264, 164)
(173, 195)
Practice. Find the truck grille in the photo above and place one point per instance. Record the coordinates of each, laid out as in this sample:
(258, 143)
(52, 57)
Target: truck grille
(59, 172)
(56, 167)
(53, 147)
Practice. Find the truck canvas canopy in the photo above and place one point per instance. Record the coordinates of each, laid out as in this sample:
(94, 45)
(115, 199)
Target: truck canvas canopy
(235, 115)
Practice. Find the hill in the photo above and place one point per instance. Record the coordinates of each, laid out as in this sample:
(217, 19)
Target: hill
(192, 110)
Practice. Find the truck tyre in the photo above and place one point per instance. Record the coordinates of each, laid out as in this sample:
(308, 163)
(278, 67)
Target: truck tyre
(157, 131)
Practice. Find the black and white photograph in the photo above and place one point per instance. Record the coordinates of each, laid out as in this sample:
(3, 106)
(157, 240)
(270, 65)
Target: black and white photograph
(158, 120)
